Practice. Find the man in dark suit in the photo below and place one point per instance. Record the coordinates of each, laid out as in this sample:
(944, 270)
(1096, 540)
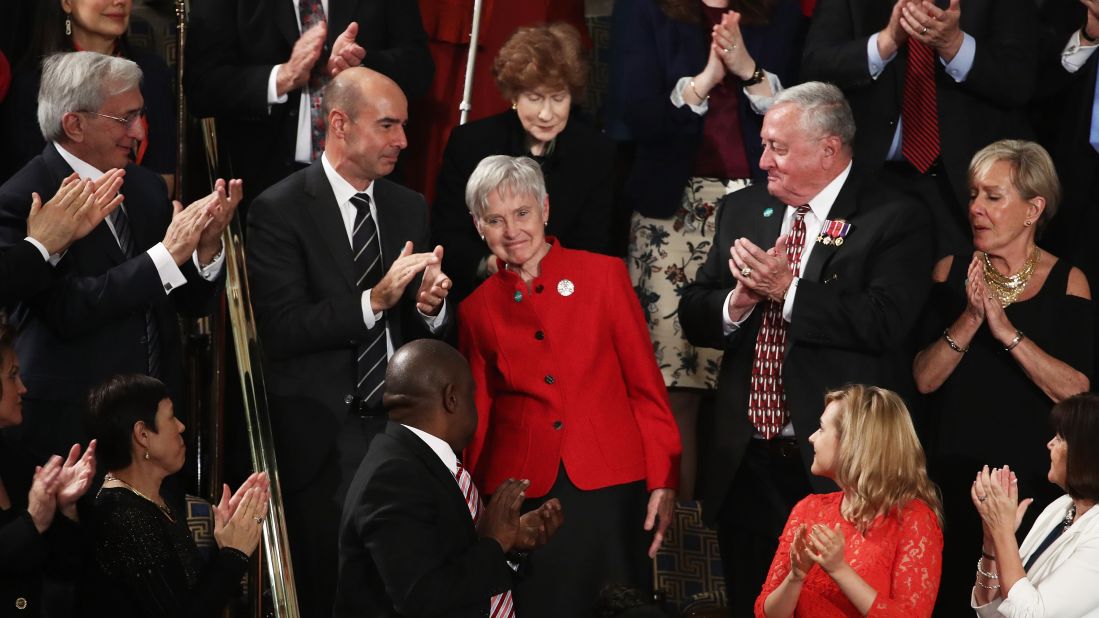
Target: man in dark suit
(414, 538)
(930, 83)
(341, 276)
(828, 272)
(258, 67)
(112, 304)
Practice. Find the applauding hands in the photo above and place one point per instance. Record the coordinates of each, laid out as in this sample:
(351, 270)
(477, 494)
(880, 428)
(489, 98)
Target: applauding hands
(59, 484)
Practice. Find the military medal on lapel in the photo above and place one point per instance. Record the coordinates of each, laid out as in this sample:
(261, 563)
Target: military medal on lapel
(565, 287)
(833, 232)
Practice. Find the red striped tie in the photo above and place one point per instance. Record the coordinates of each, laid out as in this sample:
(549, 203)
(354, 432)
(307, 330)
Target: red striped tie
(919, 110)
(767, 398)
(501, 605)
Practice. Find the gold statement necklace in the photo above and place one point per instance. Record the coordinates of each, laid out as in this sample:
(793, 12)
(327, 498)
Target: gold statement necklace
(1008, 289)
(163, 507)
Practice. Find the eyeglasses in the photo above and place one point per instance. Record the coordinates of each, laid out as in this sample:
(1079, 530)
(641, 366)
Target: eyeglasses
(126, 121)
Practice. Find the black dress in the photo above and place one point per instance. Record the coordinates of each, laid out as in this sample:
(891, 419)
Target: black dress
(149, 566)
(989, 412)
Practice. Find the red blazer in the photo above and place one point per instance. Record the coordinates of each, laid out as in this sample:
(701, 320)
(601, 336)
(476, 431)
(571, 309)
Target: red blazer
(566, 376)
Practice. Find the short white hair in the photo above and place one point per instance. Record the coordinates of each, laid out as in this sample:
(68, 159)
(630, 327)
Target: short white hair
(507, 176)
(80, 82)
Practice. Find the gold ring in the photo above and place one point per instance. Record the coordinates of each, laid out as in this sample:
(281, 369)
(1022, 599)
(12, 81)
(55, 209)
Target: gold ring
(982, 498)
(924, 31)
(259, 520)
(746, 272)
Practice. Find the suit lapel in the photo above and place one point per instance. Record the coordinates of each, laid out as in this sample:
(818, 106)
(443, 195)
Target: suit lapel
(434, 465)
(768, 222)
(324, 213)
(287, 20)
(845, 207)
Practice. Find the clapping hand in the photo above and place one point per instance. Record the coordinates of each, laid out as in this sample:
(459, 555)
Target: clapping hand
(294, 73)
(538, 526)
(434, 287)
(728, 43)
(387, 292)
(225, 198)
(346, 53)
(937, 28)
(995, 493)
(75, 478)
(826, 547)
(801, 560)
(242, 530)
(499, 519)
(767, 273)
(42, 498)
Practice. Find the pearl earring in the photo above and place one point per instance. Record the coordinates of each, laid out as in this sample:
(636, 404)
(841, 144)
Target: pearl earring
(146, 455)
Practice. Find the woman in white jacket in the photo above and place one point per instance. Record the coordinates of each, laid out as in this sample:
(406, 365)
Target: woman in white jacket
(1056, 570)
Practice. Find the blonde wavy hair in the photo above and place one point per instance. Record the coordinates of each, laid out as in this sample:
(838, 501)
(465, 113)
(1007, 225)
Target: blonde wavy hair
(881, 465)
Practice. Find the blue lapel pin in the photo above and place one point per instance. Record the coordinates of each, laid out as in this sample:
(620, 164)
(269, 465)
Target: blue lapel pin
(767, 212)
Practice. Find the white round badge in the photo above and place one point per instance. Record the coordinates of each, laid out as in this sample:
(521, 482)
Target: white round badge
(565, 287)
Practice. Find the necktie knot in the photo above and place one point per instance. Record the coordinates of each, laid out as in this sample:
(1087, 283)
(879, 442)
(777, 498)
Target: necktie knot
(361, 201)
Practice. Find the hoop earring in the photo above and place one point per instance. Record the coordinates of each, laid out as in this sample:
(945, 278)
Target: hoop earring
(68, 25)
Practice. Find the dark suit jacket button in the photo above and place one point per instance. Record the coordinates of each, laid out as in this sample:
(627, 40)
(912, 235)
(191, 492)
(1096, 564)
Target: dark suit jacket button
(538, 288)
(539, 335)
(558, 424)
(348, 399)
(143, 341)
(549, 379)
(20, 603)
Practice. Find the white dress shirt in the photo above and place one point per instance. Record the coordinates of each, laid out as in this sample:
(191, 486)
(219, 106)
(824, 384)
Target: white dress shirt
(303, 145)
(439, 446)
(344, 192)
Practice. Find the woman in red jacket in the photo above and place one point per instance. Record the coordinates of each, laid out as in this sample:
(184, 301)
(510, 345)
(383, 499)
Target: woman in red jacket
(568, 396)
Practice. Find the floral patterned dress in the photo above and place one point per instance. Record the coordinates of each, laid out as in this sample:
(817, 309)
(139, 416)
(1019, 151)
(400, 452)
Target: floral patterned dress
(900, 556)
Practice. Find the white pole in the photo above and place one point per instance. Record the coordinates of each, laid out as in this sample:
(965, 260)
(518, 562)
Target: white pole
(467, 90)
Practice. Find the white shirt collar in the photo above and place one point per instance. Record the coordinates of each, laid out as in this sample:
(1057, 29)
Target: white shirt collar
(83, 169)
(441, 448)
(821, 204)
(340, 187)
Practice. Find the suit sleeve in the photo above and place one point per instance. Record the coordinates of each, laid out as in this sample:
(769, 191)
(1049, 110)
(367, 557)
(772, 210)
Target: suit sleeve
(397, 520)
(216, 78)
(834, 52)
(472, 344)
(644, 382)
(23, 272)
(703, 300)
(292, 321)
(879, 314)
(407, 59)
(1005, 64)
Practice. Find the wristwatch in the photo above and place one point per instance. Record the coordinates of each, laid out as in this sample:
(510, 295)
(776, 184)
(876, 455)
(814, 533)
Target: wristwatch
(757, 76)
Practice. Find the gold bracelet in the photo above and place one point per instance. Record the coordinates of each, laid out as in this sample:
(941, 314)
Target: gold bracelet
(695, 90)
(954, 344)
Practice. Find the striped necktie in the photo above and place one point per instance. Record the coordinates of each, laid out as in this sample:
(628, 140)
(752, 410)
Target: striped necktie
(919, 109)
(121, 222)
(501, 605)
(767, 398)
(371, 355)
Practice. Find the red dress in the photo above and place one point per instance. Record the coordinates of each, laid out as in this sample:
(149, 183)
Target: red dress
(900, 557)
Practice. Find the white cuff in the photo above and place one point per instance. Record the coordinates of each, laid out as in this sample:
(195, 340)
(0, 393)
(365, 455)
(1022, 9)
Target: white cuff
(962, 62)
(213, 269)
(170, 275)
(273, 96)
(41, 249)
(874, 61)
(369, 317)
(762, 103)
(677, 97)
(728, 326)
(1076, 53)
(434, 322)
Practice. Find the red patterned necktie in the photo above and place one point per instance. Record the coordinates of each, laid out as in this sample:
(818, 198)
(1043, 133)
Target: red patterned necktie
(312, 13)
(766, 399)
(919, 110)
(500, 606)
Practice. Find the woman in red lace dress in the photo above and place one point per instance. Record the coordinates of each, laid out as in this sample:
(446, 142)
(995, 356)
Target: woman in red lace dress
(874, 548)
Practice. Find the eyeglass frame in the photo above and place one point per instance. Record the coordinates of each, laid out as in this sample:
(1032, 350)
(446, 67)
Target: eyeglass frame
(126, 123)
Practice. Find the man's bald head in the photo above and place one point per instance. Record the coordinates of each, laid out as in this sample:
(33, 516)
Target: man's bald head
(355, 86)
(428, 385)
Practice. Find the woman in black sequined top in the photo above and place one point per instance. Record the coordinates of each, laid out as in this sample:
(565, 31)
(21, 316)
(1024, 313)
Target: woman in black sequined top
(146, 563)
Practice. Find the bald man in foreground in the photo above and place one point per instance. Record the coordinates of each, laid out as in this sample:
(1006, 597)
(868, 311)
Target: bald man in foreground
(408, 542)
